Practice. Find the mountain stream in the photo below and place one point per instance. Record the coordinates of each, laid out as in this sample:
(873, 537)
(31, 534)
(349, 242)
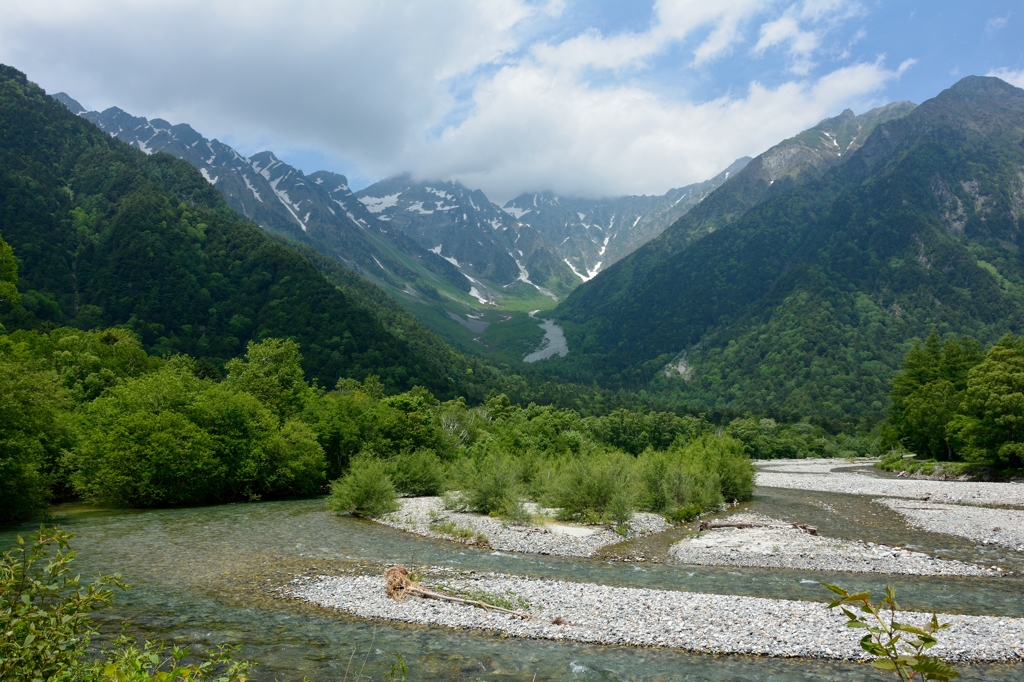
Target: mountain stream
(210, 575)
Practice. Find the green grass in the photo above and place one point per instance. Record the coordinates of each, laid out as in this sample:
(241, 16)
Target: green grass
(460, 533)
(508, 600)
(927, 467)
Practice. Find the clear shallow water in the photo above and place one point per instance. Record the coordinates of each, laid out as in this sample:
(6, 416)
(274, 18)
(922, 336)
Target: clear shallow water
(207, 575)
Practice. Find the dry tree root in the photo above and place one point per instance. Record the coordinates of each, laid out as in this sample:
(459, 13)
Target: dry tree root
(397, 584)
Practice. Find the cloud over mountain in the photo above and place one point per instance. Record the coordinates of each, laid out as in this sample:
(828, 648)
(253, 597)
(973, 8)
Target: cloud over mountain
(508, 96)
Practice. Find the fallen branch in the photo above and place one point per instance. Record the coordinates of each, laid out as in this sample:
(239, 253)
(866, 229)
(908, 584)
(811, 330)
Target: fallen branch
(397, 584)
(705, 525)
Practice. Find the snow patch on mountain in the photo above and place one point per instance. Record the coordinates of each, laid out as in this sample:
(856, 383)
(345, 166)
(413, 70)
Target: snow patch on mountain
(418, 206)
(378, 204)
(475, 293)
(251, 188)
(440, 192)
(516, 213)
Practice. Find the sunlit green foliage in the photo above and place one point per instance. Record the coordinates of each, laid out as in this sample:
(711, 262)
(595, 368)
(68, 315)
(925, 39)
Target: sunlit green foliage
(898, 647)
(34, 432)
(928, 391)
(955, 402)
(990, 428)
(44, 609)
(45, 625)
(366, 490)
(8, 276)
(170, 438)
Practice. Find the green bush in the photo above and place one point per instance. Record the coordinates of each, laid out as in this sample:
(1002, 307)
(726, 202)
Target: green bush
(725, 456)
(591, 488)
(366, 490)
(32, 433)
(419, 473)
(46, 628)
(677, 478)
(683, 514)
(494, 488)
(148, 460)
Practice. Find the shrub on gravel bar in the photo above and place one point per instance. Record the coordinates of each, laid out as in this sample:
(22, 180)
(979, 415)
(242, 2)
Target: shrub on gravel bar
(366, 490)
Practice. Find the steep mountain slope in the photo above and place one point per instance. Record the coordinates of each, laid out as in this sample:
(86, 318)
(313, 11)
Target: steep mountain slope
(592, 234)
(805, 301)
(465, 228)
(792, 162)
(318, 210)
(107, 235)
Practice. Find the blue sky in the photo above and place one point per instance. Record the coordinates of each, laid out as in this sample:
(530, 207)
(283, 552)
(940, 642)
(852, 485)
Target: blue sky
(587, 98)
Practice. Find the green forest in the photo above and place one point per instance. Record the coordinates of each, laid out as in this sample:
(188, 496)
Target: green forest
(806, 302)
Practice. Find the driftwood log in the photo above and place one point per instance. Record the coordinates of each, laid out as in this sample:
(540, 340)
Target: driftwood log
(397, 585)
(706, 525)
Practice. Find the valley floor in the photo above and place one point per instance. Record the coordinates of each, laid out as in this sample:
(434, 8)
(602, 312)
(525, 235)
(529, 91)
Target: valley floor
(602, 614)
(987, 513)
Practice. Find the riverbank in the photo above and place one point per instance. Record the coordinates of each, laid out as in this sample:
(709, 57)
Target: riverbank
(820, 475)
(427, 516)
(601, 614)
(989, 526)
(771, 543)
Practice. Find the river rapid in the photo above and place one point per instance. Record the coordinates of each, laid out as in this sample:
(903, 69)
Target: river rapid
(211, 575)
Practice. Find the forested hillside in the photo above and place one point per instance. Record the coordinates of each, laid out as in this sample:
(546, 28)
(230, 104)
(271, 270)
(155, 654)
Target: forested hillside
(806, 301)
(106, 235)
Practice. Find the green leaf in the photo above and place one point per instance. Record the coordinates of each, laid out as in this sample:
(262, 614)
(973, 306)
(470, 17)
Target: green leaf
(856, 624)
(909, 628)
(883, 664)
(935, 666)
(860, 596)
(838, 590)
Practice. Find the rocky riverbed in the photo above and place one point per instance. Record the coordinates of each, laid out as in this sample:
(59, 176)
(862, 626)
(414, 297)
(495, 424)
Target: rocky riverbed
(427, 516)
(821, 475)
(771, 543)
(603, 614)
(989, 526)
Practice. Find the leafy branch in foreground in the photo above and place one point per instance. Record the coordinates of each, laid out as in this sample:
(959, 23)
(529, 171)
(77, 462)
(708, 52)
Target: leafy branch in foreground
(899, 647)
(45, 627)
(44, 610)
(128, 663)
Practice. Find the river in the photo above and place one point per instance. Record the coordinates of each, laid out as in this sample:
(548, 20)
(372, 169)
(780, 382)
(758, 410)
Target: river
(208, 575)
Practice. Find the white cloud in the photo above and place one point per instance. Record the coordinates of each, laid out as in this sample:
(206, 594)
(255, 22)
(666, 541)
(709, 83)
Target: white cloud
(802, 28)
(802, 44)
(358, 78)
(454, 89)
(674, 21)
(534, 128)
(996, 23)
(1011, 77)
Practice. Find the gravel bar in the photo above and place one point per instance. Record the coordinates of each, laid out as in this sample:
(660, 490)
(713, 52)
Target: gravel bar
(427, 516)
(780, 545)
(707, 623)
(947, 492)
(989, 526)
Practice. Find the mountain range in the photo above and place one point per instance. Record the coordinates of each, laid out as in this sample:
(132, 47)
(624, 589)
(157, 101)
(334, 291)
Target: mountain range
(801, 281)
(411, 235)
(792, 283)
(591, 234)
